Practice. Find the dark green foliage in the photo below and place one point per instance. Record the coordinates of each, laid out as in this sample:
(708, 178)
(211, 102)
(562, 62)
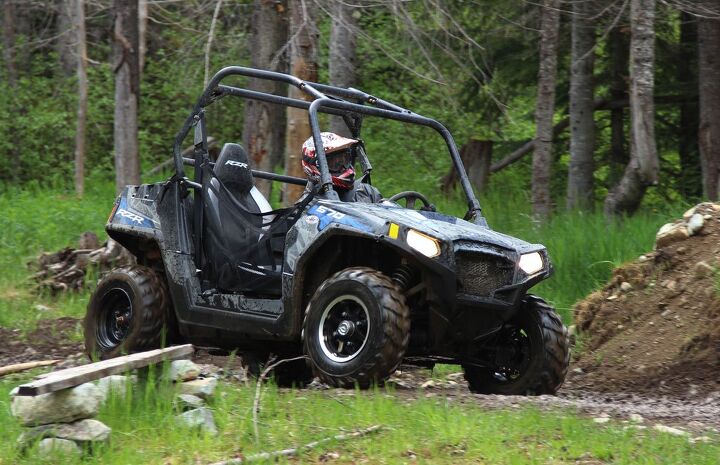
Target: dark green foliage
(471, 65)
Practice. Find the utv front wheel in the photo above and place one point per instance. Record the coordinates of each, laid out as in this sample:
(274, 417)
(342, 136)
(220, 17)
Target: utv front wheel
(356, 328)
(528, 356)
(128, 312)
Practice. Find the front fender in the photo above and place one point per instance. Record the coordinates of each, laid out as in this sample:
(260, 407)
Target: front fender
(134, 218)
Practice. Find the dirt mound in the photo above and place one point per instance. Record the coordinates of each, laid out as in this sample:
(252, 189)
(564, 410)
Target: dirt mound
(656, 325)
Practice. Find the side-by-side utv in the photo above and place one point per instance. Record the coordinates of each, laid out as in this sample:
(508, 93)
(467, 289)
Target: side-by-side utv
(358, 284)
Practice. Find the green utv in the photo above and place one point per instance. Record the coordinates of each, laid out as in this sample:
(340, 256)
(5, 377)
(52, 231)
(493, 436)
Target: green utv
(355, 282)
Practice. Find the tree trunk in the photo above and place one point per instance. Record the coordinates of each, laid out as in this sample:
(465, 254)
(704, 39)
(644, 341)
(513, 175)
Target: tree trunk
(709, 86)
(264, 126)
(82, 96)
(142, 33)
(686, 70)
(642, 170)
(544, 110)
(303, 64)
(127, 91)
(582, 124)
(9, 20)
(476, 156)
(342, 63)
(66, 44)
(618, 45)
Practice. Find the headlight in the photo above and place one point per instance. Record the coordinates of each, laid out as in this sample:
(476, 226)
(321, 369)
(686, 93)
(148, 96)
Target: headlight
(531, 263)
(426, 245)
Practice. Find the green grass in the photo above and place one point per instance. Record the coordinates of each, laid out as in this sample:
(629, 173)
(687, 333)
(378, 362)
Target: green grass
(38, 219)
(432, 430)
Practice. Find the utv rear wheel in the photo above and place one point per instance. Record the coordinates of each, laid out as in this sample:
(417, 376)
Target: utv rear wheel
(128, 312)
(356, 328)
(530, 354)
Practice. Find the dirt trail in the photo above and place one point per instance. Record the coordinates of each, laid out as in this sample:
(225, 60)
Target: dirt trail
(52, 340)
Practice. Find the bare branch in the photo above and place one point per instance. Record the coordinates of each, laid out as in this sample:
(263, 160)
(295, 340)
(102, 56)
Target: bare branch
(256, 403)
(211, 35)
(294, 451)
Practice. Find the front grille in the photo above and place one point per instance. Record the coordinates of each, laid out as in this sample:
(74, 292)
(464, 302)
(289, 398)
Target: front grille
(480, 274)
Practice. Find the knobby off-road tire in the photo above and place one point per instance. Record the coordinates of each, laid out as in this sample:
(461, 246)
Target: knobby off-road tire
(543, 368)
(130, 311)
(368, 352)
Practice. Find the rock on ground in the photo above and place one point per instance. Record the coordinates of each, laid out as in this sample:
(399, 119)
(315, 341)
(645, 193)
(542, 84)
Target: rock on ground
(670, 430)
(201, 418)
(79, 431)
(203, 388)
(114, 385)
(188, 402)
(53, 448)
(64, 406)
(695, 224)
(671, 232)
(182, 370)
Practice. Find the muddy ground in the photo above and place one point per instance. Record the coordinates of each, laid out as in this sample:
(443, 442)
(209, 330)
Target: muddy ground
(695, 409)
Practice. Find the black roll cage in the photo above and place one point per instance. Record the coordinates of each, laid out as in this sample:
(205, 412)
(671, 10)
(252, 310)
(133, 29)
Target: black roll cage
(326, 99)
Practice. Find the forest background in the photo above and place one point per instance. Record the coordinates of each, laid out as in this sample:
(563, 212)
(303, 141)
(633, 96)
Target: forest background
(583, 124)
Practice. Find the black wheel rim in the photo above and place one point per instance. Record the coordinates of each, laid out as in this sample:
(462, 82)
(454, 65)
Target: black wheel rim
(512, 357)
(114, 319)
(344, 329)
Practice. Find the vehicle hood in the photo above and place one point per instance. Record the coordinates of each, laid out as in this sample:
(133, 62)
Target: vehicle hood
(443, 227)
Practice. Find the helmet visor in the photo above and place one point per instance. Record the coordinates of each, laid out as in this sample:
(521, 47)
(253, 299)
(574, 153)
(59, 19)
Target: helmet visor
(340, 160)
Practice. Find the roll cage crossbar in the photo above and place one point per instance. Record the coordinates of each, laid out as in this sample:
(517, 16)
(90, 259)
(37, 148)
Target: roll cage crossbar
(324, 99)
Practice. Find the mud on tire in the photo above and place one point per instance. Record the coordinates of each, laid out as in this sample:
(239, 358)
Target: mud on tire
(356, 328)
(130, 311)
(543, 367)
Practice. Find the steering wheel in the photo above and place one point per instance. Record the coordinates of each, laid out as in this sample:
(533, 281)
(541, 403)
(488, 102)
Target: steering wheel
(410, 197)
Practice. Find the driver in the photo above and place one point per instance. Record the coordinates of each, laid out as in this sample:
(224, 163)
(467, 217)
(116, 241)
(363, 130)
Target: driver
(340, 156)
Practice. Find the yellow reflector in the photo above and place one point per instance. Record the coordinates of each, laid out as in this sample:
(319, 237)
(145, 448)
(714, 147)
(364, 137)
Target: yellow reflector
(394, 230)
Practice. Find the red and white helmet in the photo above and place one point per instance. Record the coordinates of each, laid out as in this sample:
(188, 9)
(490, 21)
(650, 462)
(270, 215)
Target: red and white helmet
(340, 157)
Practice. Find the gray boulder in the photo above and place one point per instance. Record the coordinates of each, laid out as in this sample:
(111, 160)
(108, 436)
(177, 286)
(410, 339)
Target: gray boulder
(52, 449)
(182, 370)
(115, 385)
(188, 402)
(695, 224)
(200, 418)
(669, 233)
(203, 388)
(58, 407)
(83, 431)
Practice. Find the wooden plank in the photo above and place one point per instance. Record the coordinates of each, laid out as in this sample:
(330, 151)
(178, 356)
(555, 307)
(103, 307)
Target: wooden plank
(75, 376)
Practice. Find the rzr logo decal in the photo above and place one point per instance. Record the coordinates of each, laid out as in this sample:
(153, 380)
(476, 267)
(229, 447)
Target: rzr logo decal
(131, 216)
(125, 215)
(237, 163)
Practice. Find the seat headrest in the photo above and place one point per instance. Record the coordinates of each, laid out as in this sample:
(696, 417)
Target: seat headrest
(232, 168)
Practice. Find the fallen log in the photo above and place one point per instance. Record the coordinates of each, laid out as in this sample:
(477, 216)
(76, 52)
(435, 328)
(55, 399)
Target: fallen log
(66, 269)
(20, 367)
